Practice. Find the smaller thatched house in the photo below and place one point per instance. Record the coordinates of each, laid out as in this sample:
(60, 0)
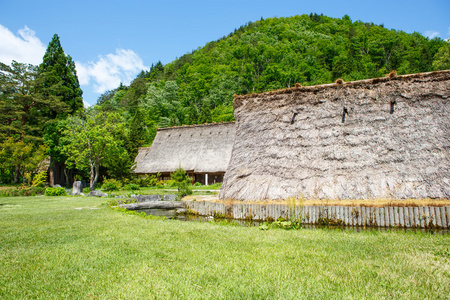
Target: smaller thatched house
(204, 151)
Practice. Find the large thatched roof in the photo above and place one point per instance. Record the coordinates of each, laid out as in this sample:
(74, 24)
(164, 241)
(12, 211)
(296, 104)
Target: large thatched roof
(369, 139)
(199, 148)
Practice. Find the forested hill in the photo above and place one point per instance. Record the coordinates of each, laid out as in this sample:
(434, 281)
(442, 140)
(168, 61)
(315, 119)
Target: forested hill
(271, 54)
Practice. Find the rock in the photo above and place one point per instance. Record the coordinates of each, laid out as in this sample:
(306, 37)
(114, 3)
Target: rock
(57, 185)
(120, 197)
(77, 188)
(155, 205)
(170, 197)
(97, 193)
(146, 198)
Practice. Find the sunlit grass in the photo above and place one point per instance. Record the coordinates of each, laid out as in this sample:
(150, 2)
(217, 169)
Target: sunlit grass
(75, 248)
(197, 190)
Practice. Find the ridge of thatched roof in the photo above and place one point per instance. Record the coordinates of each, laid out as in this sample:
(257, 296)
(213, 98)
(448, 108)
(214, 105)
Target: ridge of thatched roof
(202, 148)
(434, 76)
(193, 126)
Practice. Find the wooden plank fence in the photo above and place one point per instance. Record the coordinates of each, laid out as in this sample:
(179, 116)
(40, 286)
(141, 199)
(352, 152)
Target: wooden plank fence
(405, 217)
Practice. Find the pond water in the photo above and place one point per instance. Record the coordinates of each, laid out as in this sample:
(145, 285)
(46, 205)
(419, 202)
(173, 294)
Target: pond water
(170, 214)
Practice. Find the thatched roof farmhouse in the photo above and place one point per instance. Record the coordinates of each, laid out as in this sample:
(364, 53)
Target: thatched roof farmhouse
(204, 151)
(369, 139)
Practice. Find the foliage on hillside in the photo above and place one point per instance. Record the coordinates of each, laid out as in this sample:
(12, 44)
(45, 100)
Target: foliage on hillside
(266, 55)
(41, 111)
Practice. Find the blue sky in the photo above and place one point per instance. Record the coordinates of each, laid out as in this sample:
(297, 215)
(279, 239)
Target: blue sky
(112, 41)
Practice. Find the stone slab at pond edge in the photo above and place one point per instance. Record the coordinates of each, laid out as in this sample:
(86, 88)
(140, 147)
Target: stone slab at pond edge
(97, 193)
(147, 198)
(154, 205)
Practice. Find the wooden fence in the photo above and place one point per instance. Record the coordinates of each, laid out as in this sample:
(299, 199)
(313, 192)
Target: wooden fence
(419, 217)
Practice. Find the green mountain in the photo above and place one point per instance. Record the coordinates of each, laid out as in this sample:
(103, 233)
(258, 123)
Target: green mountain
(266, 55)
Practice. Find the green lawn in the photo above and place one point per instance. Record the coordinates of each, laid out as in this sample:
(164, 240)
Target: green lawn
(197, 190)
(75, 248)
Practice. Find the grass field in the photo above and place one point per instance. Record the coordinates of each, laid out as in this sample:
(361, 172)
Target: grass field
(197, 190)
(75, 248)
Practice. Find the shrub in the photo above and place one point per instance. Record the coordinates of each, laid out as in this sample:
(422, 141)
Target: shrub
(35, 190)
(39, 179)
(182, 181)
(8, 192)
(147, 181)
(111, 185)
(171, 183)
(58, 191)
(160, 183)
(197, 184)
(22, 191)
(132, 187)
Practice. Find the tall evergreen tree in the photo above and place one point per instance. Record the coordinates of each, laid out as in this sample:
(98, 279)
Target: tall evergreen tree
(57, 80)
(58, 77)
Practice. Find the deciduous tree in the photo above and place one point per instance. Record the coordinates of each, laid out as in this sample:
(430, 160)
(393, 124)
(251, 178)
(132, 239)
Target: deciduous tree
(90, 141)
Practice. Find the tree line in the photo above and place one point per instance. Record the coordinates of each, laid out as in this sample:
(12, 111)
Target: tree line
(267, 55)
(42, 113)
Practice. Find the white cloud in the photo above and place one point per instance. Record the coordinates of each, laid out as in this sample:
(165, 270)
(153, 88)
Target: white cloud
(110, 70)
(24, 47)
(431, 34)
(86, 105)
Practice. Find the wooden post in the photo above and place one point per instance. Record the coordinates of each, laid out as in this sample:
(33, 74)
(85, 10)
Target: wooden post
(438, 217)
(444, 217)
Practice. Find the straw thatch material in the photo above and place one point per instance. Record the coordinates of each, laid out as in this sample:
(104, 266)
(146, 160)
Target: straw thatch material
(380, 138)
(197, 149)
(139, 160)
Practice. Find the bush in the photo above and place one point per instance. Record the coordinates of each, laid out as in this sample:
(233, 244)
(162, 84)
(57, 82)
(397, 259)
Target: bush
(160, 183)
(132, 187)
(147, 181)
(171, 183)
(22, 191)
(58, 191)
(35, 190)
(39, 179)
(197, 184)
(182, 181)
(111, 185)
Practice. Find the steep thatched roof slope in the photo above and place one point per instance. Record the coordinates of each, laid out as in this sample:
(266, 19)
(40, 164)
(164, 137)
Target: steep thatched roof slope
(370, 139)
(199, 148)
(140, 156)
